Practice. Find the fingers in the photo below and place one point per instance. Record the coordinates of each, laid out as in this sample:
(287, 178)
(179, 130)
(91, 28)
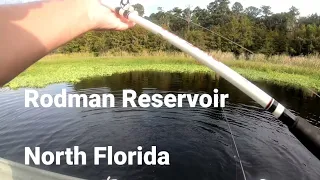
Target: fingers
(123, 23)
(123, 19)
(112, 21)
(123, 26)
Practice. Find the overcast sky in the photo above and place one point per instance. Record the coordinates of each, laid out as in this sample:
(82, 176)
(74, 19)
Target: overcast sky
(306, 7)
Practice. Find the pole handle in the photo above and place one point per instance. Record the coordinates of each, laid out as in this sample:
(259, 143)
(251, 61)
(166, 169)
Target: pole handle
(308, 135)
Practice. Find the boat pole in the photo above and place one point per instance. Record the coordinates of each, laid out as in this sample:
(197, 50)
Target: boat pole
(305, 132)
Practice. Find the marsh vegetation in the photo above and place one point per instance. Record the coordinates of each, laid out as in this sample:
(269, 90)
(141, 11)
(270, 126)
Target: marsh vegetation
(72, 68)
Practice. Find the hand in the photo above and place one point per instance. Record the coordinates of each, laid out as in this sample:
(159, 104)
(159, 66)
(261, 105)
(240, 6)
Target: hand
(103, 18)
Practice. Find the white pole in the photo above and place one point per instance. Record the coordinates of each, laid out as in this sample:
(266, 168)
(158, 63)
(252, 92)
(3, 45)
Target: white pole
(234, 78)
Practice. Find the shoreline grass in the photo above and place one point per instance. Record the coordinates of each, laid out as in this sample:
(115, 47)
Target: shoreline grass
(301, 72)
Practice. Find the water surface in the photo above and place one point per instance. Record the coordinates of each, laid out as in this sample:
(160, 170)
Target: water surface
(198, 139)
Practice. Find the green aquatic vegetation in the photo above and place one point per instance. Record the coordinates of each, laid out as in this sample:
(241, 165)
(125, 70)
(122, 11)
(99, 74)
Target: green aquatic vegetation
(74, 68)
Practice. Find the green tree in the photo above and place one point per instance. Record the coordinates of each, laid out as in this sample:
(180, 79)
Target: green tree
(257, 29)
(218, 12)
(139, 8)
(266, 11)
(252, 12)
(237, 8)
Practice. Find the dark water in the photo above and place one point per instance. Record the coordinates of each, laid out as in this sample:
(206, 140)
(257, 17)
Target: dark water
(197, 139)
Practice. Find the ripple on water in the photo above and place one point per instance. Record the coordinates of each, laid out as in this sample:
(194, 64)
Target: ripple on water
(197, 139)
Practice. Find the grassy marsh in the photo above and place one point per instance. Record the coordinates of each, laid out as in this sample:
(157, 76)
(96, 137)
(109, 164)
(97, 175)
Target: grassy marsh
(300, 71)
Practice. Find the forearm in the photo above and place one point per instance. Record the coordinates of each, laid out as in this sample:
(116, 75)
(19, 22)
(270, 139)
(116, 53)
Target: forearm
(30, 31)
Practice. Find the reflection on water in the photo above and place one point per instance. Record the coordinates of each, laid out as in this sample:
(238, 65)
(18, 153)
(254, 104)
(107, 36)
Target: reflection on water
(302, 102)
(197, 139)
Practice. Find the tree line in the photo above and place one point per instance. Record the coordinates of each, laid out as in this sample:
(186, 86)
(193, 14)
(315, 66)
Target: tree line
(257, 29)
